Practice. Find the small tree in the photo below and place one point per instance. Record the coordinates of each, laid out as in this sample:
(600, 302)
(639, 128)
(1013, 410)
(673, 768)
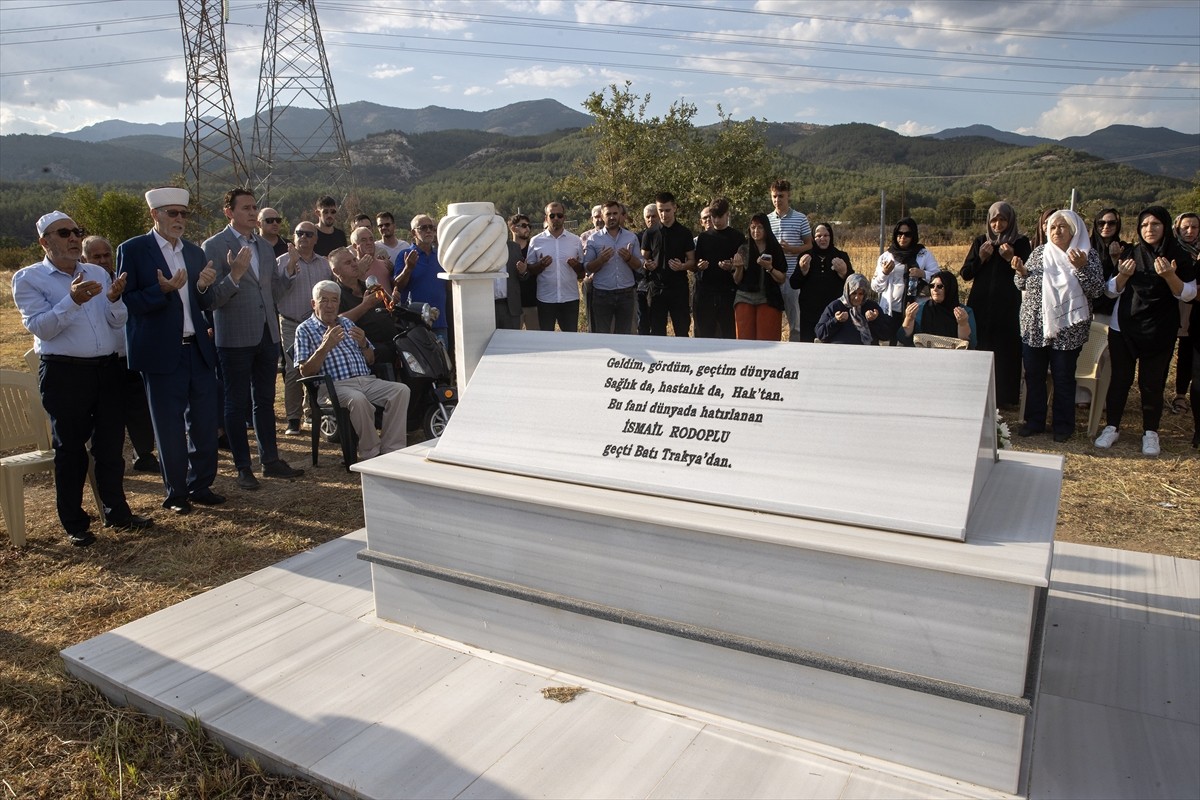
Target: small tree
(634, 156)
(116, 216)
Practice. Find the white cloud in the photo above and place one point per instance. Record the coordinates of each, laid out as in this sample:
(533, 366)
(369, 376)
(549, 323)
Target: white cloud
(471, 91)
(384, 71)
(560, 77)
(1077, 115)
(908, 127)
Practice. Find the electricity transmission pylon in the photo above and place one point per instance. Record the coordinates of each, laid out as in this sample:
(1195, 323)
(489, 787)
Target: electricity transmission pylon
(212, 146)
(293, 141)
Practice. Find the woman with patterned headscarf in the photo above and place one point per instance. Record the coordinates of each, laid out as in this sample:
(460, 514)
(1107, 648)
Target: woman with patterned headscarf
(903, 270)
(852, 318)
(1152, 277)
(1058, 284)
(995, 299)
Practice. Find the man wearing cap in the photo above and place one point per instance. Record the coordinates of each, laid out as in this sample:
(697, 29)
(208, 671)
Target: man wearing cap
(246, 323)
(75, 314)
(98, 251)
(168, 342)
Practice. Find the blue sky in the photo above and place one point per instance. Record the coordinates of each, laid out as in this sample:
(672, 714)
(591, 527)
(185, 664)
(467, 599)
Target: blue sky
(1052, 68)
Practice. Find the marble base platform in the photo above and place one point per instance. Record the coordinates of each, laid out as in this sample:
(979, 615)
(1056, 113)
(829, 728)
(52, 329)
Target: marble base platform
(919, 651)
(289, 666)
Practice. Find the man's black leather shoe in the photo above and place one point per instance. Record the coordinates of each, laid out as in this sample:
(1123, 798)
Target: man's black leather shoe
(177, 506)
(207, 497)
(246, 480)
(280, 469)
(131, 523)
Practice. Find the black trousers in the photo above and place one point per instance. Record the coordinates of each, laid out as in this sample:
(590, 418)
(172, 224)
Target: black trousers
(675, 302)
(1151, 369)
(714, 315)
(84, 400)
(137, 413)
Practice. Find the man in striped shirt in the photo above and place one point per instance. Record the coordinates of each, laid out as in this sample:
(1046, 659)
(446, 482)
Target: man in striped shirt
(794, 233)
(332, 345)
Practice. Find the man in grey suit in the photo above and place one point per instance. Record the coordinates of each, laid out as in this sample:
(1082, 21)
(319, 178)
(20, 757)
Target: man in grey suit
(246, 327)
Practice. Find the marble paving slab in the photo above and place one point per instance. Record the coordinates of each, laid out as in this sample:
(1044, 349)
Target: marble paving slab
(370, 709)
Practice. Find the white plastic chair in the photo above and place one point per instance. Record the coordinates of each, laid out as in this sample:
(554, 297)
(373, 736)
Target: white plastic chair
(23, 423)
(1093, 372)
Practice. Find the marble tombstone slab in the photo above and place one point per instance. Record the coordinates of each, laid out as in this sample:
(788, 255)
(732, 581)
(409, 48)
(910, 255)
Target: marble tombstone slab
(901, 440)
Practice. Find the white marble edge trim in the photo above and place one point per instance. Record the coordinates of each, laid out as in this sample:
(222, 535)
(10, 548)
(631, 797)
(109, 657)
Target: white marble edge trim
(907, 549)
(807, 658)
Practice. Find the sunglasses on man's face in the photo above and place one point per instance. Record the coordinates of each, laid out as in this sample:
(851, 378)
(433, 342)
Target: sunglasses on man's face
(305, 234)
(555, 216)
(272, 220)
(425, 228)
(67, 233)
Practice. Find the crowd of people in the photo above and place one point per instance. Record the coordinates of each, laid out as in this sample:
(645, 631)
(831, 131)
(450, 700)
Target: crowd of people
(179, 344)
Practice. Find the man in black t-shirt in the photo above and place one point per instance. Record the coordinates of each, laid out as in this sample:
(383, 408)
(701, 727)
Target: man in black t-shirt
(669, 252)
(329, 238)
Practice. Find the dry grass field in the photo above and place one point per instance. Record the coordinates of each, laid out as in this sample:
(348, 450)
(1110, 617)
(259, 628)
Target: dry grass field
(61, 739)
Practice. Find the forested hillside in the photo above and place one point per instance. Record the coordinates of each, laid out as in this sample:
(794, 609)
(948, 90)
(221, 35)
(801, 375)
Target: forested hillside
(838, 173)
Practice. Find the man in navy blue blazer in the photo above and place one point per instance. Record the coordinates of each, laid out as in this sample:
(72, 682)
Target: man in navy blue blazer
(168, 341)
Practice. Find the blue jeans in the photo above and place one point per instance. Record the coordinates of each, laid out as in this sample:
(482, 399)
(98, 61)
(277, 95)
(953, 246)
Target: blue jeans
(1061, 364)
(252, 369)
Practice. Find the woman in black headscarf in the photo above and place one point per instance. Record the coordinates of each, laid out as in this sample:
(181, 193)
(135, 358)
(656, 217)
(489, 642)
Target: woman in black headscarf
(903, 270)
(1187, 233)
(1152, 277)
(819, 277)
(995, 300)
(1106, 242)
(941, 314)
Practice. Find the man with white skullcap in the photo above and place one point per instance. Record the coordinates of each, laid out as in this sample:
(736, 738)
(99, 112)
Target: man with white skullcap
(167, 340)
(75, 314)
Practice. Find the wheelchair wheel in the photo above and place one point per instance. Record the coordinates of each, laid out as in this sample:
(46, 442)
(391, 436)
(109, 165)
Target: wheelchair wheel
(329, 428)
(435, 420)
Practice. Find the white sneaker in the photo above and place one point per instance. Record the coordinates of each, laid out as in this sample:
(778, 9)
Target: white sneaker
(1150, 444)
(1108, 437)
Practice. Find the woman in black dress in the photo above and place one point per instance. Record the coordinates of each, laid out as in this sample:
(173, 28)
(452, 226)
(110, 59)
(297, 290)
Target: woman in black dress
(819, 277)
(994, 298)
(1152, 277)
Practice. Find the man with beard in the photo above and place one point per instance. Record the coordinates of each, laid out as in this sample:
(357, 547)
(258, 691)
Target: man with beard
(612, 259)
(170, 345)
(75, 313)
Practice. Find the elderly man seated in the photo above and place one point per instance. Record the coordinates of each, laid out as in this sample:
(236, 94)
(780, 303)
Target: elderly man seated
(332, 345)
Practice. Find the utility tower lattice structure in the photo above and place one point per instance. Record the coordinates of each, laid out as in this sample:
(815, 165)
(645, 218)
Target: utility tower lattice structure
(212, 146)
(287, 145)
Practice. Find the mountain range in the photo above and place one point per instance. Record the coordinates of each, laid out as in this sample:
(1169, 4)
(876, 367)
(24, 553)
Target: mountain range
(115, 151)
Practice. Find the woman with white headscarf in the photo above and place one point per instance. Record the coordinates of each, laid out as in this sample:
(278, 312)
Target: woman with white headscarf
(1058, 282)
(994, 300)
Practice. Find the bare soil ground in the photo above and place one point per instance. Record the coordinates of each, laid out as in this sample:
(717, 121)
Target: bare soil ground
(61, 739)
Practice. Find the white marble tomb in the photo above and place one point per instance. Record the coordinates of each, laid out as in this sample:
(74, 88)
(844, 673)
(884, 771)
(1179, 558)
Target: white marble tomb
(783, 587)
